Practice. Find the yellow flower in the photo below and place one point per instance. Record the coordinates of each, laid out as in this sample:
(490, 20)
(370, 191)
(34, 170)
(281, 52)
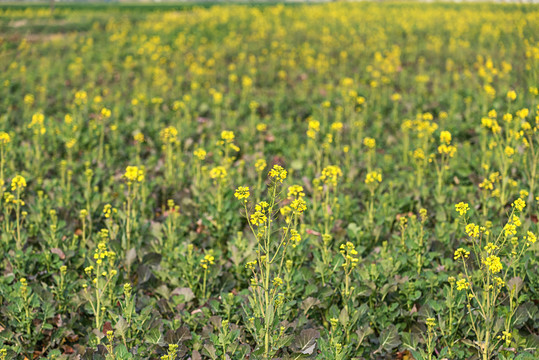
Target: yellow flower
(431, 322)
(472, 230)
(493, 264)
(217, 98)
(490, 248)
(511, 95)
(419, 154)
(71, 143)
(314, 125)
(349, 253)
(18, 183)
(299, 205)
(4, 138)
(250, 265)
(509, 151)
(462, 284)
(295, 237)
(261, 206)
(106, 113)
(491, 92)
(369, 142)
(260, 165)
(227, 136)
(108, 210)
(347, 82)
(38, 124)
(522, 113)
(242, 192)
(29, 99)
(486, 185)
(200, 154)
(138, 137)
(169, 135)
(519, 204)
(462, 208)
(314, 128)
(516, 220)
(278, 173)
(447, 150)
(445, 137)
(510, 229)
(373, 177)
(486, 122)
(461, 253)
(258, 218)
(207, 260)
(330, 174)
(253, 105)
(218, 172)
(531, 238)
(134, 174)
(507, 117)
(246, 81)
(295, 191)
(337, 126)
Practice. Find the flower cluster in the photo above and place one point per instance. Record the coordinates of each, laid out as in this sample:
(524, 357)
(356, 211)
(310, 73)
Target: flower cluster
(278, 173)
(134, 174)
(373, 177)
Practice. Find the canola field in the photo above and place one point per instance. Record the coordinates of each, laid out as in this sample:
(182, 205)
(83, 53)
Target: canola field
(329, 181)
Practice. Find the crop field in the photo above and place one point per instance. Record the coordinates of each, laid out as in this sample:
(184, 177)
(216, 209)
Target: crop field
(267, 181)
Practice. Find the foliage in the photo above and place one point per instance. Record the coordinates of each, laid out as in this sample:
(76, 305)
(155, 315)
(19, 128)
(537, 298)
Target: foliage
(329, 181)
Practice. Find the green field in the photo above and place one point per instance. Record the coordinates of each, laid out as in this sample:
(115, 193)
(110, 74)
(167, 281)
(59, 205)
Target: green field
(268, 181)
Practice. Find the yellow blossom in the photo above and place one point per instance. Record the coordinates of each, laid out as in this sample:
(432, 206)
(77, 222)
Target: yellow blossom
(373, 177)
(242, 192)
(493, 264)
(369, 142)
(461, 253)
(462, 208)
(18, 183)
(278, 173)
(445, 137)
(134, 174)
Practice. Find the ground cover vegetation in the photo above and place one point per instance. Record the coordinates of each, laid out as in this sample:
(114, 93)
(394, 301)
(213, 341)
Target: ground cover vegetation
(332, 181)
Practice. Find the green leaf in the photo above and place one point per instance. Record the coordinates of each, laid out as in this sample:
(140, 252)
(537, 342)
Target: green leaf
(120, 327)
(515, 283)
(209, 350)
(343, 317)
(305, 342)
(153, 336)
(186, 292)
(309, 303)
(130, 256)
(389, 339)
(121, 352)
(410, 340)
(526, 356)
(363, 332)
(524, 312)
